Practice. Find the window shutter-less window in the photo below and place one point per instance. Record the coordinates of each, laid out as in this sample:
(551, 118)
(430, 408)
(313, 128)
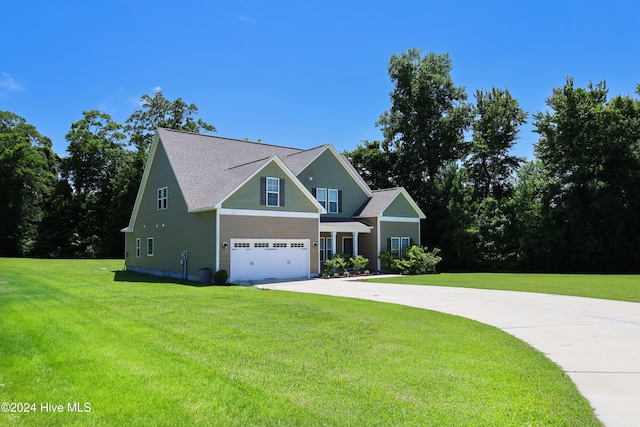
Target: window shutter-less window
(263, 190)
(281, 191)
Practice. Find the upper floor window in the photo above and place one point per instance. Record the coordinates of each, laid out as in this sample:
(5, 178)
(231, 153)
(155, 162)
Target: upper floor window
(321, 196)
(273, 191)
(162, 198)
(329, 198)
(333, 201)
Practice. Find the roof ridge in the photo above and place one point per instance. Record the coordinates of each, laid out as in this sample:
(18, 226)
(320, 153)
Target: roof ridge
(230, 139)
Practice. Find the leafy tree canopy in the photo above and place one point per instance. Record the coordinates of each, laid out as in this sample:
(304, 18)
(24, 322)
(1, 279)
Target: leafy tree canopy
(157, 111)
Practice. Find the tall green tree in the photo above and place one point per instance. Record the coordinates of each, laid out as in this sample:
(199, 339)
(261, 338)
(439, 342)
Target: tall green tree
(589, 145)
(27, 176)
(373, 164)
(158, 111)
(96, 169)
(495, 131)
(427, 120)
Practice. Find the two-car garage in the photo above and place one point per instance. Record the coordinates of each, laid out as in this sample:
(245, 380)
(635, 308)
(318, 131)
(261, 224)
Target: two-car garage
(257, 259)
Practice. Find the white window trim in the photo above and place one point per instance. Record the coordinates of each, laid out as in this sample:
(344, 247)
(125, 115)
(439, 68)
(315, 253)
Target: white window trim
(162, 199)
(153, 246)
(138, 247)
(322, 200)
(331, 191)
(276, 192)
(401, 240)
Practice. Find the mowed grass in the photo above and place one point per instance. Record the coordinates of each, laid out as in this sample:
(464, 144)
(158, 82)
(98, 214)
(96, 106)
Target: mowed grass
(613, 287)
(146, 351)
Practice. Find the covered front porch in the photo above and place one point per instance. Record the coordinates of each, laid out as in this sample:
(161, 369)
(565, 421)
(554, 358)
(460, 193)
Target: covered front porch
(340, 236)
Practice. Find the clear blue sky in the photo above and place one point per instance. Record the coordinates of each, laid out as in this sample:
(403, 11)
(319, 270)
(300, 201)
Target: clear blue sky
(298, 73)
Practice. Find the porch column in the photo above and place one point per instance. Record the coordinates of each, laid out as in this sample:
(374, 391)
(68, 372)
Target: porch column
(355, 243)
(333, 243)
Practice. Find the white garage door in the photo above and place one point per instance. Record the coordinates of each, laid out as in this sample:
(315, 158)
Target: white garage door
(258, 259)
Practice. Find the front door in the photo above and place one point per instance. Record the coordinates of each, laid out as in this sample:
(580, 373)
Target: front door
(347, 246)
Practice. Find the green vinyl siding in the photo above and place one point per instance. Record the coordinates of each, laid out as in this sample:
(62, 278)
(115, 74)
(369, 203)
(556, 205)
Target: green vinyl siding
(400, 207)
(328, 172)
(248, 196)
(390, 229)
(173, 229)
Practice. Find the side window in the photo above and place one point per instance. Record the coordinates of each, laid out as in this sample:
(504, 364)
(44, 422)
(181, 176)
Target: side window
(321, 196)
(329, 198)
(333, 201)
(138, 245)
(395, 245)
(150, 246)
(163, 196)
(405, 243)
(400, 244)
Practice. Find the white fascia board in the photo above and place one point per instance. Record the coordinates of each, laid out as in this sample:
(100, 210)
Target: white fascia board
(145, 178)
(399, 219)
(328, 228)
(287, 171)
(268, 213)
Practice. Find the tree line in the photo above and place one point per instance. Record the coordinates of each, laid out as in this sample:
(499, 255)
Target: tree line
(572, 208)
(75, 206)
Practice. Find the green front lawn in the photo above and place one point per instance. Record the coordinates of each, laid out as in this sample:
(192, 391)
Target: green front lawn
(603, 286)
(146, 351)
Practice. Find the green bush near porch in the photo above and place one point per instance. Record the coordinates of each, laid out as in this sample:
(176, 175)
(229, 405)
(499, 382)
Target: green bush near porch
(415, 260)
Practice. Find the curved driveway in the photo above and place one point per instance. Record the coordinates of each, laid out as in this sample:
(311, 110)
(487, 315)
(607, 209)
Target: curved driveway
(596, 342)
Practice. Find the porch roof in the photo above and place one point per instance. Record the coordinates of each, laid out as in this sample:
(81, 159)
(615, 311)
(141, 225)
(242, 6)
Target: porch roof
(346, 225)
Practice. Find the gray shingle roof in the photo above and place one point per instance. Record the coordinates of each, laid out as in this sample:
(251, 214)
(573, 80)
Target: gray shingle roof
(208, 167)
(378, 203)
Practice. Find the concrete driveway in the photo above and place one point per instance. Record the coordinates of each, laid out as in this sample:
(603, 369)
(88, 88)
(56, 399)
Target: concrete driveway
(596, 342)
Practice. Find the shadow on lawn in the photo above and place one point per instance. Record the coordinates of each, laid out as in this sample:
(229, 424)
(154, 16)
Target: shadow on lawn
(130, 276)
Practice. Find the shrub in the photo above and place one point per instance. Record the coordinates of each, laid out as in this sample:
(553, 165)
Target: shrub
(220, 277)
(415, 260)
(359, 262)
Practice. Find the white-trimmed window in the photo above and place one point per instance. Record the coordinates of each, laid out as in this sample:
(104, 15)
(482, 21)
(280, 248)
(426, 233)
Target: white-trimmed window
(321, 196)
(400, 244)
(150, 246)
(329, 198)
(333, 201)
(163, 196)
(325, 249)
(138, 246)
(273, 191)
